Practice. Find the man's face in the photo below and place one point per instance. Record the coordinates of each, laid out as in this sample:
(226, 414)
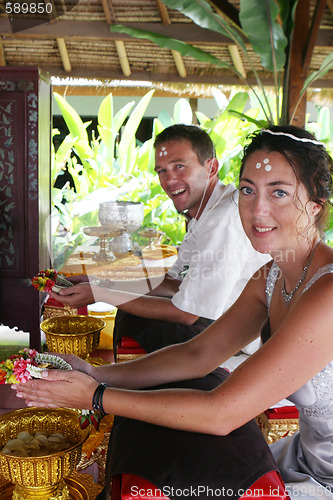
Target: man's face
(181, 175)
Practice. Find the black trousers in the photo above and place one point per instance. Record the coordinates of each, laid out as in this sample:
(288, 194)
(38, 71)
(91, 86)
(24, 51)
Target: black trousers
(154, 334)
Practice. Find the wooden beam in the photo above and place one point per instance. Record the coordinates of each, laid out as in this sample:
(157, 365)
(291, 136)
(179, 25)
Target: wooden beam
(313, 32)
(100, 30)
(85, 30)
(2, 55)
(107, 11)
(163, 12)
(237, 60)
(64, 55)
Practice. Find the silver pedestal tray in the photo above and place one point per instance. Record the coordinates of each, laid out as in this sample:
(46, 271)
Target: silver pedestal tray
(104, 233)
(154, 236)
(128, 215)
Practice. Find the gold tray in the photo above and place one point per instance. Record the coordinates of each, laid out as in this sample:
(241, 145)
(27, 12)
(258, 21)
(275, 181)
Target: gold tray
(81, 487)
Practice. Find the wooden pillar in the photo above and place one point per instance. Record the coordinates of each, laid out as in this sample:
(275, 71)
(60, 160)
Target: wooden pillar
(303, 43)
(297, 74)
(25, 143)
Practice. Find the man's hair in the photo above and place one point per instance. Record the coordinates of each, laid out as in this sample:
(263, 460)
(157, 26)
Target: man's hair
(200, 141)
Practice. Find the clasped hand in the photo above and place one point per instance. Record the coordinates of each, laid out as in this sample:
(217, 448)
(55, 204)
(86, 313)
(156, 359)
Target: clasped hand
(59, 388)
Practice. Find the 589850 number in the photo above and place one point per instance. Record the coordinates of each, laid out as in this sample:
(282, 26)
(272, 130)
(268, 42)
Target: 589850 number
(28, 8)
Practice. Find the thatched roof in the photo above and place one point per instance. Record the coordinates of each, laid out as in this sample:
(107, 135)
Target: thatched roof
(78, 43)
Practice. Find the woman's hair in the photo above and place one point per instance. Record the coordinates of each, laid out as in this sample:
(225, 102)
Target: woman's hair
(199, 139)
(311, 163)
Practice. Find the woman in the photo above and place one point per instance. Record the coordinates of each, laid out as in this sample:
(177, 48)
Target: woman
(285, 186)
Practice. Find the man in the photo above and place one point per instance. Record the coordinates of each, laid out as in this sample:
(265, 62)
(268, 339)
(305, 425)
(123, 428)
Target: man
(214, 261)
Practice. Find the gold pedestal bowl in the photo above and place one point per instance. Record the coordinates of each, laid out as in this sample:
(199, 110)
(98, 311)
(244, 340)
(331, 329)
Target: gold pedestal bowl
(41, 477)
(77, 335)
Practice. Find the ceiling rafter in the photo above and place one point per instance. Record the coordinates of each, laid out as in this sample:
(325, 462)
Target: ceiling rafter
(234, 51)
(52, 15)
(120, 45)
(313, 32)
(2, 55)
(178, 59)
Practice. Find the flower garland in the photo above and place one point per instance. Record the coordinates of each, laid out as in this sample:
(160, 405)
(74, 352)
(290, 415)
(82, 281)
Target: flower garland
(50, 280)
(28, 364)
(15, 369)
(45, 280)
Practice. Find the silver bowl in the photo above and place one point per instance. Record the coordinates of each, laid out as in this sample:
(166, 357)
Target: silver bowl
(128, 215)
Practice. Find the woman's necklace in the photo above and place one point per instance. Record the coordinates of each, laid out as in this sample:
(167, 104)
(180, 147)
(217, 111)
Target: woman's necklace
(288, 296)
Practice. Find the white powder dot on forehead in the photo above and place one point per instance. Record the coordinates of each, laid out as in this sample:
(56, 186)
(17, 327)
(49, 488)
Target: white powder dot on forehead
(266, 160)
(258, 165)
(268, 168)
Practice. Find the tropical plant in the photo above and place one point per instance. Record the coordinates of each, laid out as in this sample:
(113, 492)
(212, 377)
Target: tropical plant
(267, 24)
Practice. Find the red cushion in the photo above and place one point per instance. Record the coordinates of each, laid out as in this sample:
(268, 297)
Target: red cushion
(127, 345)
(268, 487)
(282, 412)
(129, 342)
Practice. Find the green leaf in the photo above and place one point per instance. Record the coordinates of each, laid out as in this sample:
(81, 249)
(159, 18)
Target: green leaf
(170, 43)
(105, 121)
(121, 116)
(128, 136)
(182, 112)
(258, 19)
(75, 124)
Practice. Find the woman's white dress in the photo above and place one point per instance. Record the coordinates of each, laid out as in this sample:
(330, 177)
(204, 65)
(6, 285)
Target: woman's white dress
(305, 459)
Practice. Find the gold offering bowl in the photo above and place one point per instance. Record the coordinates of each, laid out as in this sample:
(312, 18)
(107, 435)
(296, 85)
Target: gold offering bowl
(72, 334)
(42, 477)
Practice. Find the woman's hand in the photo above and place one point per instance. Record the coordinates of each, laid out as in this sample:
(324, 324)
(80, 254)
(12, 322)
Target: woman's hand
(59, 388)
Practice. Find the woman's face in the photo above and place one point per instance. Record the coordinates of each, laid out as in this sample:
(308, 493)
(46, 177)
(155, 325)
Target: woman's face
(274, 208)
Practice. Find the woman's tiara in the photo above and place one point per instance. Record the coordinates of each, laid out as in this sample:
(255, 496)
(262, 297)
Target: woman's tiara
(291, 136)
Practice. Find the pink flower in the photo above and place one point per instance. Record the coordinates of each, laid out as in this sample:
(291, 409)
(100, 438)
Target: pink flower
(20, 370)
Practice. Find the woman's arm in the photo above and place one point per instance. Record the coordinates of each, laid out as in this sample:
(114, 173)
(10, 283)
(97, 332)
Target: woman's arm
(189, 360)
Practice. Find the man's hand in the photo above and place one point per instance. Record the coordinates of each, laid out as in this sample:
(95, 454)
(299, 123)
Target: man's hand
(82, 278)
(76, 296)
(60, 388)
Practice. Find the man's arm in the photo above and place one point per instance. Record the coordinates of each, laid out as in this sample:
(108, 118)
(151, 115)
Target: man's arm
(151, 307)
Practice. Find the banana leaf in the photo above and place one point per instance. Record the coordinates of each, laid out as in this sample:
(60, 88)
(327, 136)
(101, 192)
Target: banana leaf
(109, 125)
(182, 112)
(75, 126)
(202, 14)
(258, 19)
(128, 136)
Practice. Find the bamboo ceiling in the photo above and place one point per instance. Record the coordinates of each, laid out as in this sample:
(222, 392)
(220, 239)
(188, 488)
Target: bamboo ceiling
(77, 43)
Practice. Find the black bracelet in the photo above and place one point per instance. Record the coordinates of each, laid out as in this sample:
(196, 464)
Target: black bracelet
(97, 399)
